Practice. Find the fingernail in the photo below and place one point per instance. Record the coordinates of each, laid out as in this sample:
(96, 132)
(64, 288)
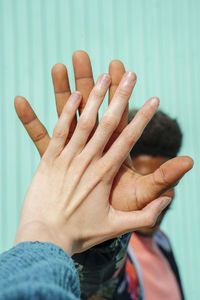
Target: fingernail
(129, 77)
(76, 96)
(165, 202)
(155, 102)
(104, 80)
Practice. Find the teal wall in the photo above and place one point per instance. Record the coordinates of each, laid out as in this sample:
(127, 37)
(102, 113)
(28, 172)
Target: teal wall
(158, 39)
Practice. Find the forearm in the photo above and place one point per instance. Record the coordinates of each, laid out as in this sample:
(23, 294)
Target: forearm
(37, 269)
(98, 265)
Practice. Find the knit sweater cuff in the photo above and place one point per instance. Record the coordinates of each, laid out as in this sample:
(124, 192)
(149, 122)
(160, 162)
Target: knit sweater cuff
(44, 265)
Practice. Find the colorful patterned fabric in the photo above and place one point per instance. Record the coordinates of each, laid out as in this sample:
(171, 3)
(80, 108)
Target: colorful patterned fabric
(111, 269)
(99, 266)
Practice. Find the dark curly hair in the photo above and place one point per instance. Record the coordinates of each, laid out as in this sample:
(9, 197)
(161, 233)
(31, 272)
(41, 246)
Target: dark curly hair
(161, 137)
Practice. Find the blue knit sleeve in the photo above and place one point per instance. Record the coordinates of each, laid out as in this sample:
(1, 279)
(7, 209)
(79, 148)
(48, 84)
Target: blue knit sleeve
(34, 270)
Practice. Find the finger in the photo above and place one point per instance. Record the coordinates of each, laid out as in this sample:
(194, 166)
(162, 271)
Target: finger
(83, 76)
(164, 178)
(63, 125)
(88, 117)
(112, 116)
(32, 124)
(61, 86)
(62, 91)
(116, 71)
(124, 222)
(116, 155)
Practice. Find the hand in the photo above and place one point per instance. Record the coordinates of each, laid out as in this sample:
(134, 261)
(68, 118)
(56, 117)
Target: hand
(68, 201)
(124, 195)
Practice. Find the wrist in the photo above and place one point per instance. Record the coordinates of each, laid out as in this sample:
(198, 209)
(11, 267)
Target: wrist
(40, 232)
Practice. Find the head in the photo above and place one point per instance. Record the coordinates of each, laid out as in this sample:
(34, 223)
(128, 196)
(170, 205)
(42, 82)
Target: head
(160, 141)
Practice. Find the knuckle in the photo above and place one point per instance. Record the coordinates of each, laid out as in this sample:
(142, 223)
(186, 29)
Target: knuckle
(124, 93)
(68, 109)
(98, 92)
(160, 177)
(59, 132)
(144, 115)
(109, 122)
(85, 123)
(130, 138)
(39, 135)
(163, 176)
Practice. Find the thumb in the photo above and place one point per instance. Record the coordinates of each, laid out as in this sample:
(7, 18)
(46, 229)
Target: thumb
(163, 179)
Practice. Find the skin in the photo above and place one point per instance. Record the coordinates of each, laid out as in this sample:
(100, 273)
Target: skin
(130, 190)
(146, 164)
(68, 201)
